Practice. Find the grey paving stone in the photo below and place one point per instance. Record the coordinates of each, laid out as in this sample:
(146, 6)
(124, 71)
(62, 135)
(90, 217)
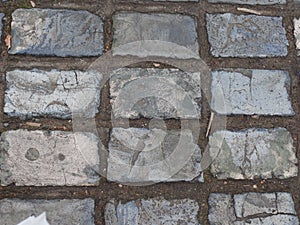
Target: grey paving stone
(62, 212)
(155, 93)
(253, 153)
(248, 92)
(56, 32)
(232, 35)
(161, 0)
(1, 16)
(152, 211)
(152, 155)
(166, 35)
(250, 2)
(54, 93)
(252, 208)
(41, 158)
(297, 33)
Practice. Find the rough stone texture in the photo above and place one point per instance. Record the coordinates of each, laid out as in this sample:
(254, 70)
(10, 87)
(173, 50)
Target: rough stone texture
(152, 211)
(54, 93)
(42, 158)
(155, 93)
(252, 209)
(246, 35)
(56, 32)
(248, 92)
(167, 35)
(155, 155)
(297, 33)
(253, 153)
(250, 2)
(62, 212)
(1, 16)
(163, 0)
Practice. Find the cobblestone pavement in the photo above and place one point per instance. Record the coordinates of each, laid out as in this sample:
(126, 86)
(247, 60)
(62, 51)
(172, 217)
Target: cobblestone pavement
(150, 112)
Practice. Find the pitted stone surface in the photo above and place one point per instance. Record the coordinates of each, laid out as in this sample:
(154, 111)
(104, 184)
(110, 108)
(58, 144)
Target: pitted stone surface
(62, 212)
(152, 211)
(1, 16)
(53, 158)
(248, 92)
(56, 32)
(152, 155)
(155, 93)
(250, 2)
(297, 33)
(54, 93)
(246, 35)
(252, 208)
(253, 153)
(166, 35)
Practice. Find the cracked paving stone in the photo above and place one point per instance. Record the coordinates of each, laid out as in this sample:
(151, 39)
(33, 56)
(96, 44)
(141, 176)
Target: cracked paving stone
(249, 92)
(53, 158)
(252, 208)
(253, 153)
(1, 17)
(56, 32)
(155, 93)
(62, 211)
(250, 2)
(152, 211)
(153, 155)
(232, 35)
(297, 33)
(166, 35)
(59, 94)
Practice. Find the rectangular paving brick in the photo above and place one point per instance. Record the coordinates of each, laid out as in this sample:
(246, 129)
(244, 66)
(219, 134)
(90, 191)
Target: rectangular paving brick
(297, 33)
(166, 35)
(54, 93)
(53, 158)
(252, 209)
(253, 153)
(62, 211)
(1, 17)
(250, 2)
(233, 35)
(155, 93)
(56, 32)
(248, 92)
(152, 211)
(152, 155)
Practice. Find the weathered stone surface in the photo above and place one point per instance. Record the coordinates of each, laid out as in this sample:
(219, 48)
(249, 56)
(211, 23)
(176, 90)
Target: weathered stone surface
(152, 211)
(155, 93)
(56, 32)
(1, 16)
(161, 0)
(246, 35)
(248, 92)
(250, 2)
(152, 155)
(252, 208)
(297, 33)
(42, 158)
(62, 212)
(253, 153)
(54, 93)
(166, 35)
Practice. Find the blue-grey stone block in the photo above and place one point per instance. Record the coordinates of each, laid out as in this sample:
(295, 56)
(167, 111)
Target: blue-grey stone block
(166, 35)
(1, 26)
(56, 32)
(246, 35)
